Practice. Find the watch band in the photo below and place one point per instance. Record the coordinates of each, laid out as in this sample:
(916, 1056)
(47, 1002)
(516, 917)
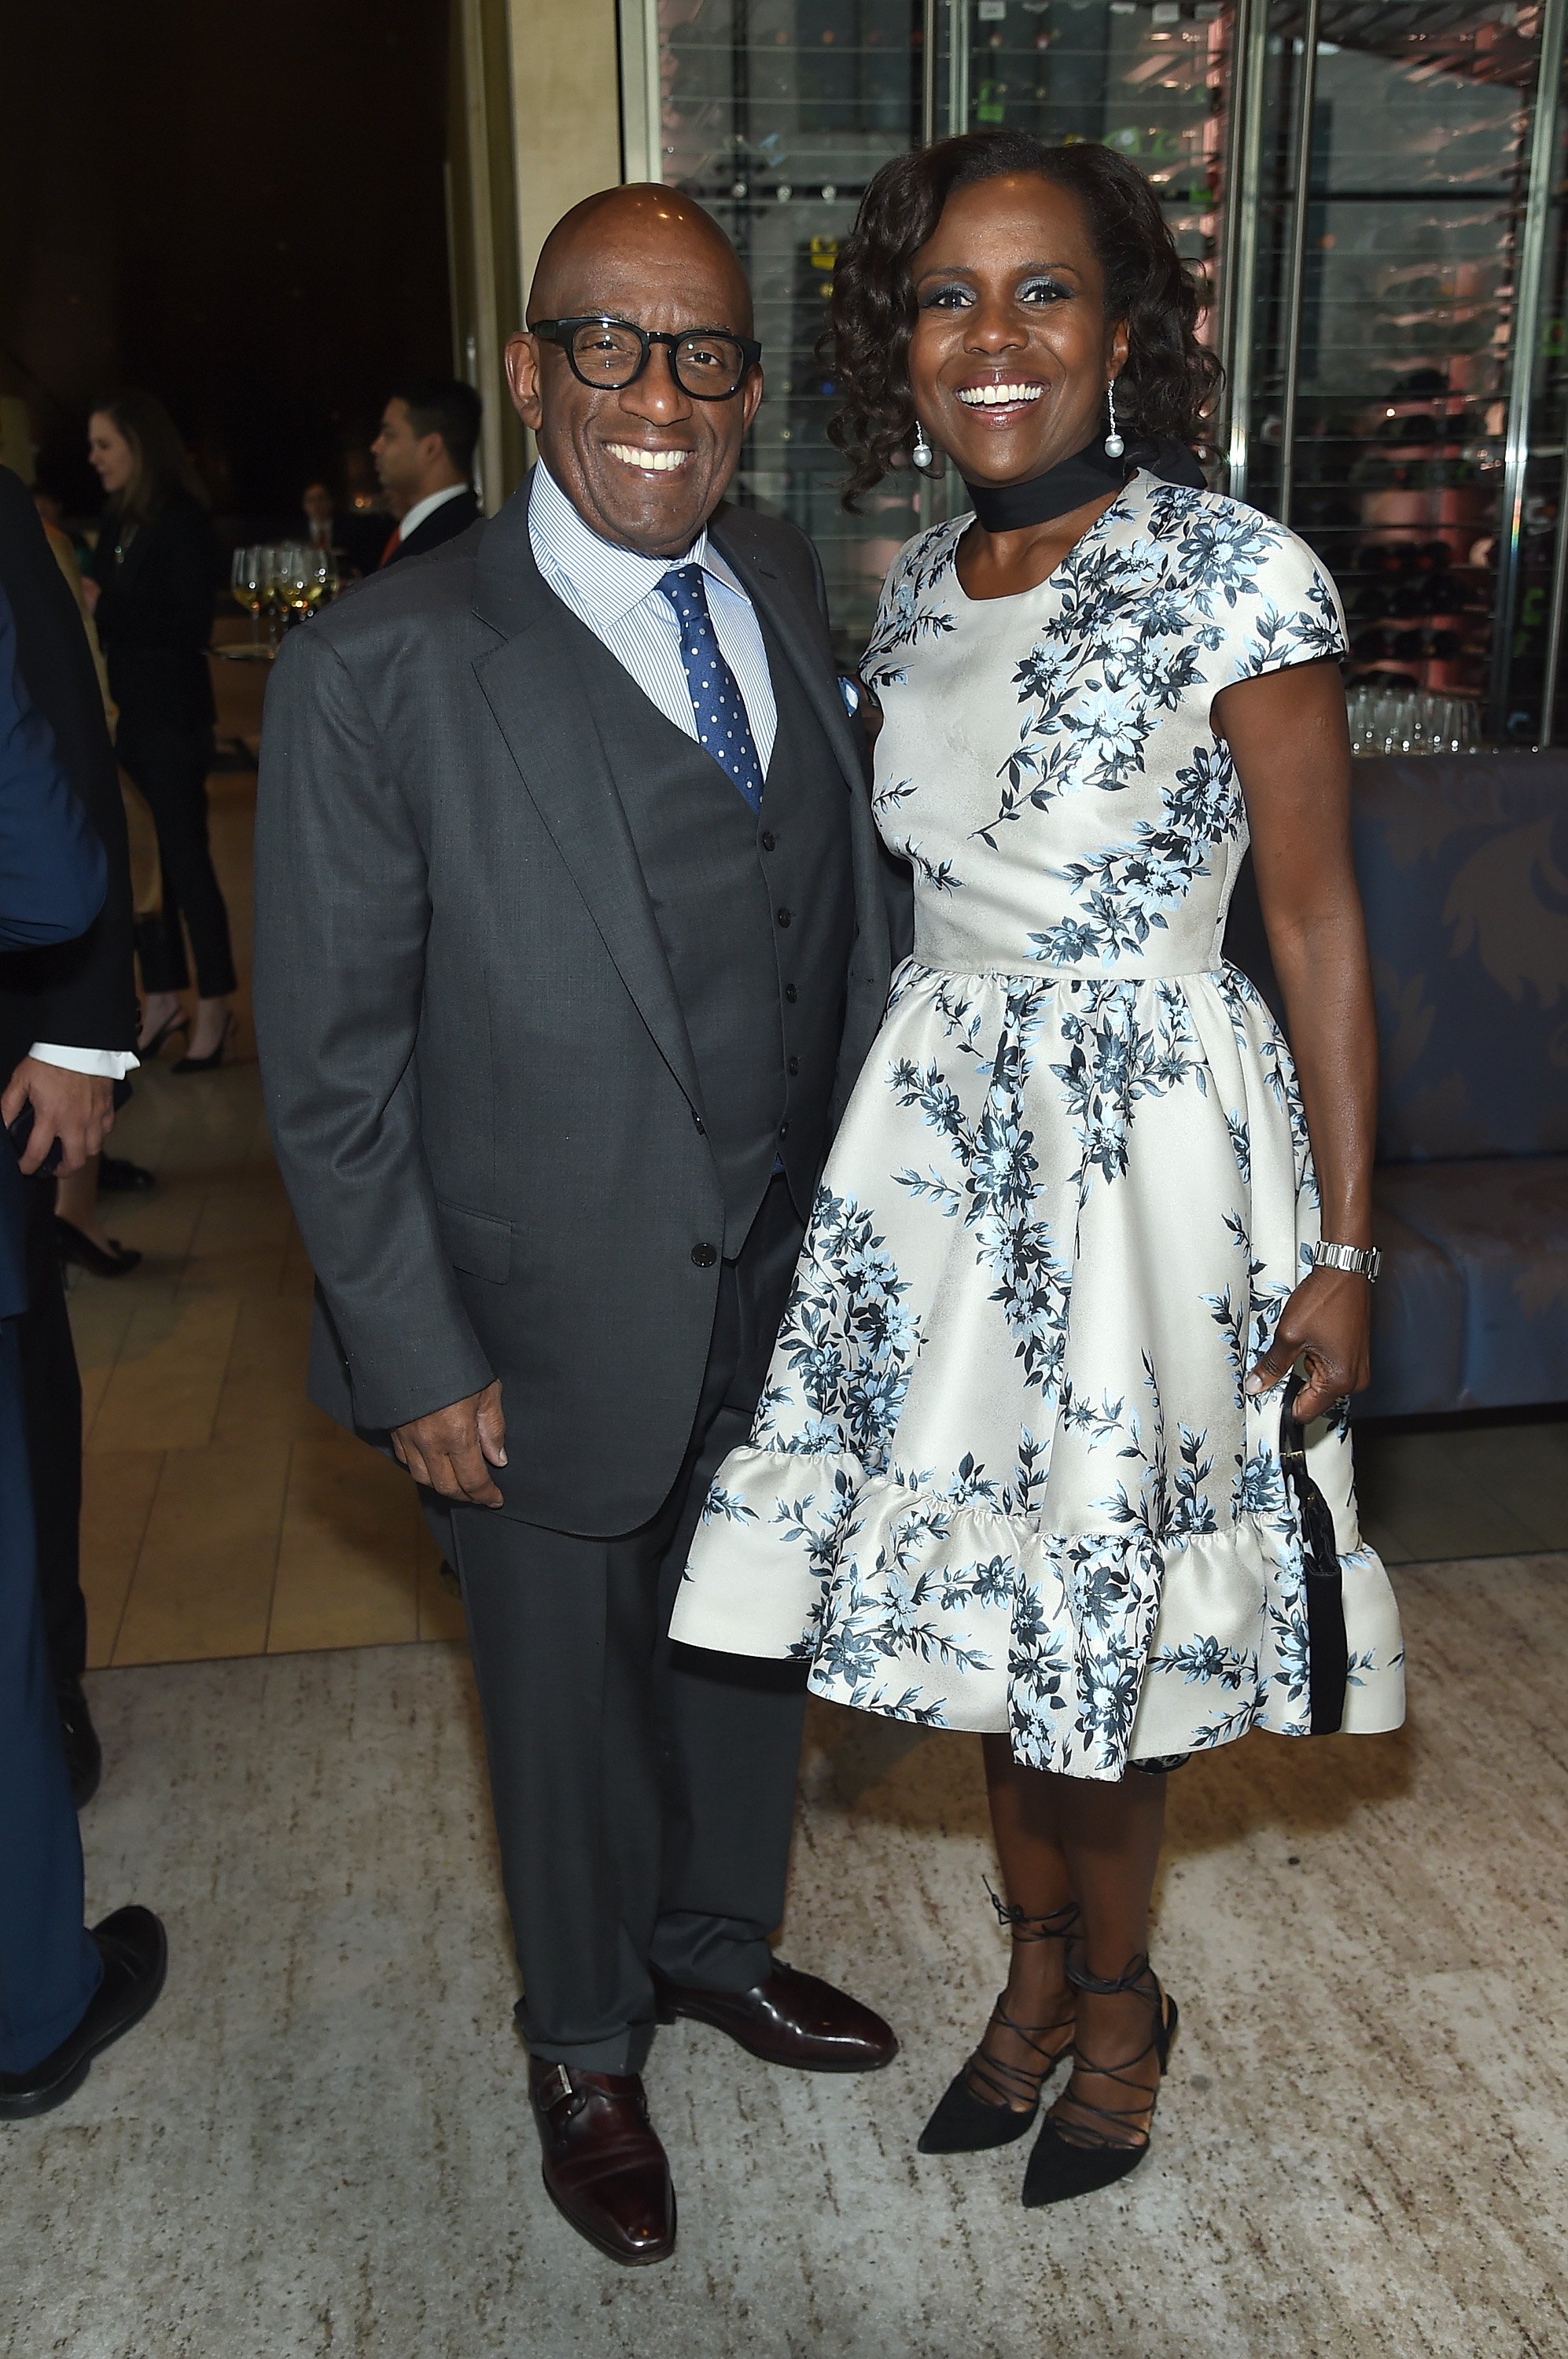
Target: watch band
(1366, 1262)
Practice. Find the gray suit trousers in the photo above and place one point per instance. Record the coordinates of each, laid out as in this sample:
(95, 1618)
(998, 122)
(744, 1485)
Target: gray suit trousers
(644, 1793)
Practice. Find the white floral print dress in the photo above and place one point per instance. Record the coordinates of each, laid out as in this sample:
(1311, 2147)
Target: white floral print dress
(1004, 1475)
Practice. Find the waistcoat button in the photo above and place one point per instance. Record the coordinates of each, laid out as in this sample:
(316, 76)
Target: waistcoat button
(783, 915)
(704, 1256)
(770, 841)
(790, 993)
(794, 1065)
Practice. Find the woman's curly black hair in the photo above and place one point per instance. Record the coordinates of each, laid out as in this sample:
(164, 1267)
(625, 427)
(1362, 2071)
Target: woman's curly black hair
(1168, 378)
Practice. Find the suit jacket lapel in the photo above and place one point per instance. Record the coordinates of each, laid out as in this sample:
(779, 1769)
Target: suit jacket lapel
(532, 685)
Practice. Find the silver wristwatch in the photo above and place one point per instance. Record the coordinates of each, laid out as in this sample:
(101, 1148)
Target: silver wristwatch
(1364, 1261)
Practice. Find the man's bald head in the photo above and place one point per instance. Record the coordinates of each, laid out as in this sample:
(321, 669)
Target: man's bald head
(658, 226)
(645, 464)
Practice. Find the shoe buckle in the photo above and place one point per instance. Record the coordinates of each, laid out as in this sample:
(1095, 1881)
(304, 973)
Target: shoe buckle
(555, 2087)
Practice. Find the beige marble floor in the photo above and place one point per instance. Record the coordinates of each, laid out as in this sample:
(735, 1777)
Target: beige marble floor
(318, 2147)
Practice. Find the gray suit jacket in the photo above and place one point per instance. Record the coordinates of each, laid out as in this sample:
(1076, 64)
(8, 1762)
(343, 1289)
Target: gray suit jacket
(476, 1070)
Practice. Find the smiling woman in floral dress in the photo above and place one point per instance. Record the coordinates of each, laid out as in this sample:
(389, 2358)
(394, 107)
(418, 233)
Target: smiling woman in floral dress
(1017, 1468)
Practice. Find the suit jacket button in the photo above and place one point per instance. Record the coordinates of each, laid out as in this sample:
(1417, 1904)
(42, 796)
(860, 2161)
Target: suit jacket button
(700, 1123)
(704, 1256)
(783, 917)
(783, 1130)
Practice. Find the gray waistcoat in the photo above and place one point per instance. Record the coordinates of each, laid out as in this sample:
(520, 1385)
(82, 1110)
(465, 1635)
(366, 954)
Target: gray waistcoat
(756, 915)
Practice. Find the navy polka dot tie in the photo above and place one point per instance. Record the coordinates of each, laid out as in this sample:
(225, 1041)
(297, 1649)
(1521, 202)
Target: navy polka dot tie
(716, 701)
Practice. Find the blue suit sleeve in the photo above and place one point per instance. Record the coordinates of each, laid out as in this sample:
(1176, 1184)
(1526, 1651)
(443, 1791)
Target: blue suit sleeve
(53, 874)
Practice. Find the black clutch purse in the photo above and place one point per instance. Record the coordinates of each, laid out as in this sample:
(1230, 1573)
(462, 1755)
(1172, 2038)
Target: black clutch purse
(1328, 1650)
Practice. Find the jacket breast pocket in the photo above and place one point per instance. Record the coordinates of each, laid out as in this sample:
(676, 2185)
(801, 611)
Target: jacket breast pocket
(476, 1241)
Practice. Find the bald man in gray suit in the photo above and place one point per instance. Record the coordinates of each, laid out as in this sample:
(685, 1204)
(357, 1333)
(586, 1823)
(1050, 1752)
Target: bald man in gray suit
(574, 931)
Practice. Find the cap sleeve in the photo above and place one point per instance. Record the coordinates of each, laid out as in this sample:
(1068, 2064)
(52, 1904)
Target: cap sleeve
(909, 609)
(1293, 615)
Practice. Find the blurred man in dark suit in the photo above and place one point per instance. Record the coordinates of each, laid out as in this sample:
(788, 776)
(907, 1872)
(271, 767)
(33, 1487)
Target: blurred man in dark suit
(424, 458)
(64, 1993)
(354, 540)
(68, 1032)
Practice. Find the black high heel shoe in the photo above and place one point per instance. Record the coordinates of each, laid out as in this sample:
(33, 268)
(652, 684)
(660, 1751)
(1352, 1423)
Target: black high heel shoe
(966, 2124)
(74, 1245)
(178, 1022)
(214, 1057)
(1078, 2158)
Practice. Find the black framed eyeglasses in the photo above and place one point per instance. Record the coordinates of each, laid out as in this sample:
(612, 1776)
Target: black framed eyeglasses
(709, 364)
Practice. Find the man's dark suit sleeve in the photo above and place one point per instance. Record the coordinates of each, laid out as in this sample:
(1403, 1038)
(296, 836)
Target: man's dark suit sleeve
(51, 863)
(342, 913)
(80, 994)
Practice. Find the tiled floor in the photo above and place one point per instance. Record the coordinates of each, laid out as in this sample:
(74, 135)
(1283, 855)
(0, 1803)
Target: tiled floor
(225, 1516)
(319, 2146)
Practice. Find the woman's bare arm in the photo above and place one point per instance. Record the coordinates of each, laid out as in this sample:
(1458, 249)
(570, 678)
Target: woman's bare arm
(1289, 739)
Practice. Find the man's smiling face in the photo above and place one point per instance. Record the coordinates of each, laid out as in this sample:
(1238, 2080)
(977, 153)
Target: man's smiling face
(645, 465)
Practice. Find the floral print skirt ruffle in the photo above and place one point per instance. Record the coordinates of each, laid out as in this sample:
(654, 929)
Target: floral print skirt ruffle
(1004, 1475)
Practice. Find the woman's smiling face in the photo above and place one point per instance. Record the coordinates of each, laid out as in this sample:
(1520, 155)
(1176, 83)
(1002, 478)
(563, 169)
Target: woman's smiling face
(1011, 352)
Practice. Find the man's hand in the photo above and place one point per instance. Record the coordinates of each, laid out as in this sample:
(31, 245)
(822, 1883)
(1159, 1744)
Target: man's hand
(76, 1108)
(451, 1449)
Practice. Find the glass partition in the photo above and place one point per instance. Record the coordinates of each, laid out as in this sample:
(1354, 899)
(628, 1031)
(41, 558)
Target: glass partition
(1367, 186)
(775, 114)
(1389, 405)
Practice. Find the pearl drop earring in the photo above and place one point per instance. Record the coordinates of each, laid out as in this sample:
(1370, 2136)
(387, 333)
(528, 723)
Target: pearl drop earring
(923, 454)
(1115, 446)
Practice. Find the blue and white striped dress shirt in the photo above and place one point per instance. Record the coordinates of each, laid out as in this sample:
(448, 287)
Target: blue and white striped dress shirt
(615, 592)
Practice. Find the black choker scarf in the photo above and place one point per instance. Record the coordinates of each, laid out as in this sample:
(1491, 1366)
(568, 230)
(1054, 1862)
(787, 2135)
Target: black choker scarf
(1073, 483)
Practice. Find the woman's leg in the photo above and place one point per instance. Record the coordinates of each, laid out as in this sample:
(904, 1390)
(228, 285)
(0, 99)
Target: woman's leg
(76, 1201)
(1110, 1837)
(1026, 1818)
(160, 953)
(170, 767)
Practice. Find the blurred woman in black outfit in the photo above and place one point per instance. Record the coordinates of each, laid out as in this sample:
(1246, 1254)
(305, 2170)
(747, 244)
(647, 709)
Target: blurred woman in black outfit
(153, 570)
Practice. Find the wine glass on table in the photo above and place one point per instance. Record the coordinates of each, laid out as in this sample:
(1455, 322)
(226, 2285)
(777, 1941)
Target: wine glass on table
(320, 576)
(306, 580)
(269, 561)
(247, 580)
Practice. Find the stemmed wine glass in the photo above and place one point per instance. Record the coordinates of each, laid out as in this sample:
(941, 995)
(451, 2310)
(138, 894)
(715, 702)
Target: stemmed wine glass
(322, 565)
(247, 580)
(275, 574)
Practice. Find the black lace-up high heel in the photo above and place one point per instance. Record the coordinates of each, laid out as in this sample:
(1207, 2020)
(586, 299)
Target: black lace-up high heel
(965, 2123)
(1074, 2157)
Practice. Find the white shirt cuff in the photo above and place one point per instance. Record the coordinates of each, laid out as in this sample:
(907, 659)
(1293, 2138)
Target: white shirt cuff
(109, 1064)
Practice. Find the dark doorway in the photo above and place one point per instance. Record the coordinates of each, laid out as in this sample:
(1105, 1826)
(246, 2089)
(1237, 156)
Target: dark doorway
(242, 209)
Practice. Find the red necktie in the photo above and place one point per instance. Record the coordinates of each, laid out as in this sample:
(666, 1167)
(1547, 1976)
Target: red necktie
(397, 537)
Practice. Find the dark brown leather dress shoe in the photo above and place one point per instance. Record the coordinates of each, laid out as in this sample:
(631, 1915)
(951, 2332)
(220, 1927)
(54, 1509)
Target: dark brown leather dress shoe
(790, 2018)
(605, 2170)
